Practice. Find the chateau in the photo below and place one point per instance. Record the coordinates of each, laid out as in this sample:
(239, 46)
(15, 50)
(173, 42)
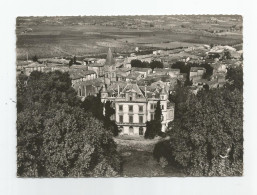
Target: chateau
(136, 105)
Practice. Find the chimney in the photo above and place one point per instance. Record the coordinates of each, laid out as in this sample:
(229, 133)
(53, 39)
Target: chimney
(145, 92)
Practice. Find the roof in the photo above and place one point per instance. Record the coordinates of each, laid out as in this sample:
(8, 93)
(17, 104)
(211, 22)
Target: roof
(109, 59)
(195, 69)
(140, 69)
(95, 82)
(132, 87)
(95, 65)
(77, 74)
(35, 64)
(133, 75)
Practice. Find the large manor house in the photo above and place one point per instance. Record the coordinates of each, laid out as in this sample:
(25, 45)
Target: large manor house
(134, 105)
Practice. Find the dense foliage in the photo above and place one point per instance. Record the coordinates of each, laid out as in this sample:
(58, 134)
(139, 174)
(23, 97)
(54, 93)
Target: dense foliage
(139, 64)
(153, 64)
(153, 127)
(185, 68)
(95, 106)
(206, 136)
(55, 137)
(235, 76)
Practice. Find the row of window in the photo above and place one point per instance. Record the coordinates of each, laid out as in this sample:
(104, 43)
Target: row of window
(131, 119)
(141, 118)
(140, 108)
(131, 130)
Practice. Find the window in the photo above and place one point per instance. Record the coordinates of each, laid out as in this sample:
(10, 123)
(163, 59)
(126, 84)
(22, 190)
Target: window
(153, 106)
(130, 108)
(131, 130)
(120, 107)
(130, 98)
(140, 108)
(141, 119)
(162, 106)
(131, 118)
(121, 118)
(121, 129)
(152, 116)
(162, 97)
(141, 131)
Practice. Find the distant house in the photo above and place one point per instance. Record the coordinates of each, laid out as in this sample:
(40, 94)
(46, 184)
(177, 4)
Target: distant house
(35, 66)
(142, 71)
(196, 73)
(134, 76)
(174, 73)
(87, 88)
(81, 75)
(98, 68)
(89, 61)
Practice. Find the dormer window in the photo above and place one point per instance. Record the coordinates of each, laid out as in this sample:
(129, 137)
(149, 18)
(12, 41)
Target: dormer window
(130, 98)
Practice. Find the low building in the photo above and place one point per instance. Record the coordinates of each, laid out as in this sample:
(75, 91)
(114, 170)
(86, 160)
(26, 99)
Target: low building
(81, 75)
(174, 73)
(196, 73)
(98, 68)
(142, 71)
(87, 88)
(136, 105)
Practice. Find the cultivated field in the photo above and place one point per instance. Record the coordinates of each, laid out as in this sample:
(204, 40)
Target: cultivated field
(62, 38)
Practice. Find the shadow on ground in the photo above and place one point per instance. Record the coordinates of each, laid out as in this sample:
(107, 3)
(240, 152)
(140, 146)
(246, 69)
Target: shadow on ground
(138, 160)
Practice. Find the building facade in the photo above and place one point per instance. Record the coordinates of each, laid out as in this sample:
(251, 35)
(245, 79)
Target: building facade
(135, 106)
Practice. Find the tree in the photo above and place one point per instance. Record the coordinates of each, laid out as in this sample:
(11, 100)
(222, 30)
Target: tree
(227, 54)
(108, 123)
(71, 62)
(58, 138)
(154, 127)
(46, 90)
(235, 76)
(207, 138)
(136, 63)
(35, 58)
(156, 64)
(94, 105)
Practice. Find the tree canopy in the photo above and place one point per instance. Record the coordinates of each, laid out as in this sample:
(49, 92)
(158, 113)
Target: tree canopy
(154, 127)
(57, 138)
(235, 76)
(207, 137)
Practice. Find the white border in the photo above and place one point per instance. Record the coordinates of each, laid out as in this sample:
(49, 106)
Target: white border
(9, 184)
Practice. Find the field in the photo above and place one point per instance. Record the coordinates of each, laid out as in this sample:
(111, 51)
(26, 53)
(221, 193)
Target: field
(65, 38)
(138, 161)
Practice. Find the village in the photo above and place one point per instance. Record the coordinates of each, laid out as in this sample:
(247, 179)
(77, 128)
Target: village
(135, 82)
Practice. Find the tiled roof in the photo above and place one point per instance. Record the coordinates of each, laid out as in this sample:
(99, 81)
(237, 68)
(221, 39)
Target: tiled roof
(95, 65)
(195, 69)
(76, 74)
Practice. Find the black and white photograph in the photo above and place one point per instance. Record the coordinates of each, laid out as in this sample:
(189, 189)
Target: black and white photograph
(129, 96)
